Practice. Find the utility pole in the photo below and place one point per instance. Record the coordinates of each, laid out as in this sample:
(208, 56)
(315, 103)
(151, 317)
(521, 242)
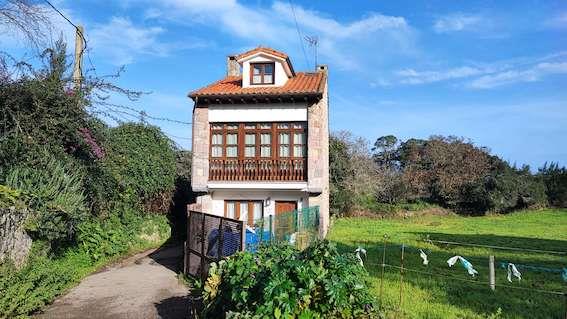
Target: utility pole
(79, 48)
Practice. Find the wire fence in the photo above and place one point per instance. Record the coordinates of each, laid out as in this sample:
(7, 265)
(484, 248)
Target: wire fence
(540, 289)
(298, 227)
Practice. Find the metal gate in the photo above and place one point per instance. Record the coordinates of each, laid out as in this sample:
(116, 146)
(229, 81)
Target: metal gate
(209, 239)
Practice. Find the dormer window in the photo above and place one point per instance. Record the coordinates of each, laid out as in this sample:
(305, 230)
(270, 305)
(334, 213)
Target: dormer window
(262, 73)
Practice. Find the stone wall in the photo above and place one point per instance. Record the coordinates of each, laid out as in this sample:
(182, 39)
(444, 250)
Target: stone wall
(318, 155)
(200, 163)
(15, 243)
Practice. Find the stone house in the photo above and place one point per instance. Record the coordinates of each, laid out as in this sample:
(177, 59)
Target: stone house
(261, 139)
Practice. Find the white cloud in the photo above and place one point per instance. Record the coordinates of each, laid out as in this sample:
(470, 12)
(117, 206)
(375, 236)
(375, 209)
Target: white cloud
(411, 76)
(120, 40)
(457, 22)
(533, 74)
(348, 45)
(488, 75)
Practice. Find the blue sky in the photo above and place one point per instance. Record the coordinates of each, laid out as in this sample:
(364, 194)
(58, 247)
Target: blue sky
(491, 71)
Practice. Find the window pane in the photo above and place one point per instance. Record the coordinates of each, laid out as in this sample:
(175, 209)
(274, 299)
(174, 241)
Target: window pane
(265, 151)
(284, 150)
(284, 138)
(283, 125)
(297, 125)
(257, 69)
(249, 126)
(257, 207)
(250, 139)
(231, 139)
(217, 126)
(250, 151)
(268, 69)
(299, 151)
(298, 138)
(265, 138)
(232, 126)
(257, 79)
(230, 209)
(231, 151)
(267, 78)
(217, 139)
(244, 211)
(265, 126)
(216, 151)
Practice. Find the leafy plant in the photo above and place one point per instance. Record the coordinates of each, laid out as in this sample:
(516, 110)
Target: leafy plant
(141, 161)
(55, 194)
(282, 282)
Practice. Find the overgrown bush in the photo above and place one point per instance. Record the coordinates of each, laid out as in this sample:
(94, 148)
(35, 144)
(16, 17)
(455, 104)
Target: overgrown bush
(140, 159)
(54, 192)
(555, 179)
(46, 275)
(117, 233)
(281, 282)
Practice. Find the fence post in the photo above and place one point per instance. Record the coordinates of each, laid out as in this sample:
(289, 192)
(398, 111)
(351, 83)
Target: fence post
(271, 217)
(401, 277)
(491, 274)
(382, 275)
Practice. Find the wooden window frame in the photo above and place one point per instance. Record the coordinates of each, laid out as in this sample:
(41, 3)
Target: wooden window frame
(274, 131)
(262, 73)
(250, 203)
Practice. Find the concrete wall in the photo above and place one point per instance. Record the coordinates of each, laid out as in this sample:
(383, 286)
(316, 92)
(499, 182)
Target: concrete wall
(280, 73)
(200, 163)
(219, 196)
(261, 112)
(15, 244)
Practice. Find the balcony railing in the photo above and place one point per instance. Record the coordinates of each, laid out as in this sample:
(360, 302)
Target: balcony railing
(257, 170)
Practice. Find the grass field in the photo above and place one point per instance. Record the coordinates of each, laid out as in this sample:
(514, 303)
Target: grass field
(447, 293)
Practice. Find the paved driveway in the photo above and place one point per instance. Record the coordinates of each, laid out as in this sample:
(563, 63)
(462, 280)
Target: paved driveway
(143, 286)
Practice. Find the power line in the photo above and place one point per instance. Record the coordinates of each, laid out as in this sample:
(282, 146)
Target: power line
(70, 22)
(299, 34)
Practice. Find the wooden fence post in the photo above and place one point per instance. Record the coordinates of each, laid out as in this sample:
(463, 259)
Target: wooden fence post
(491, 274)
(382, 275)
(401, 277)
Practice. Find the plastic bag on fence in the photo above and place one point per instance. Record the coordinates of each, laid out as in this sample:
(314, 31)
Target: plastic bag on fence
(424, 257)
(466, 264)
(512, 270)
(358, 251)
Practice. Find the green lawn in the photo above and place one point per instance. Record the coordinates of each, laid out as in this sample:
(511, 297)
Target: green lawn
(436, 296)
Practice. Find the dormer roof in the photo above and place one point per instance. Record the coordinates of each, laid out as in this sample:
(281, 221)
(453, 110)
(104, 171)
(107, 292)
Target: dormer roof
(262, 50)
(258, 51)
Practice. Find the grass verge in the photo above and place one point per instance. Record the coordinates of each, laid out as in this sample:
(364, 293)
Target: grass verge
(437, 291)
(46, 276)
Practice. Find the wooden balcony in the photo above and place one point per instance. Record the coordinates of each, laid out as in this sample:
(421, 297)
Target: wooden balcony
(258, 170)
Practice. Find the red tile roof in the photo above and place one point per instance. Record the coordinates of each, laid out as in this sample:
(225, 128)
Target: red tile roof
(302, 83)
(262, 49)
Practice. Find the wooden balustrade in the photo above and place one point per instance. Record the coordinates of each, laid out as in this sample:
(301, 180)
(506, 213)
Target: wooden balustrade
(258, 170)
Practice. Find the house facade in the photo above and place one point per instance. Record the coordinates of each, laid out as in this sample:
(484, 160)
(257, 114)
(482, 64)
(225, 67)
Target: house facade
(261, 139)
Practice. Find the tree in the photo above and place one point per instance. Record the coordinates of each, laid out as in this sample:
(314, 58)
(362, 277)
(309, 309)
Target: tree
(25, 18)
(386, 151)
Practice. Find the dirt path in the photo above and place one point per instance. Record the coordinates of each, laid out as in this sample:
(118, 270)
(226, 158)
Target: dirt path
(143, 286)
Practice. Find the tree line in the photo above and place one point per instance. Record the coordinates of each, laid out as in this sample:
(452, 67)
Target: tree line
(447, 171)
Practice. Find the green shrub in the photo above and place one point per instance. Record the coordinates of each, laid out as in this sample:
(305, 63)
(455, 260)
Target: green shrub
(140, 159)
(55, 194)
(120, 232)
(282, 282)
(46, 275)
(555, 180)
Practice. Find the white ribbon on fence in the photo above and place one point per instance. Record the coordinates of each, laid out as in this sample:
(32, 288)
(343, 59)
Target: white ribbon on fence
(466, 264)
(358, 251)
(512, 270)
(424, 257)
